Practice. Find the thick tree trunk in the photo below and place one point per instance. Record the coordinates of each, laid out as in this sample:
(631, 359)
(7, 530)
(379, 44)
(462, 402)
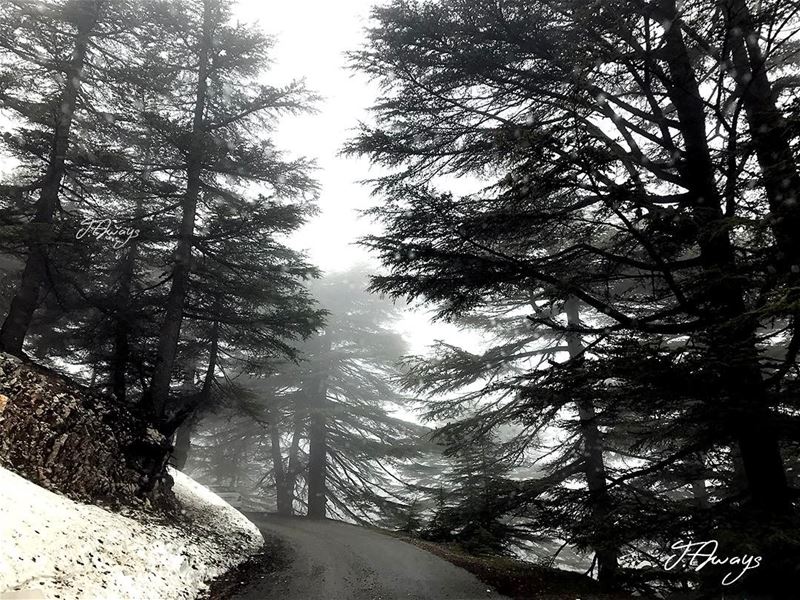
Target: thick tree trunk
(187, 413)
(121, 352)
(606, 553)
(768, 129)
(294, 467)
(317, 437)
(182, 444)
(732, 340)
(158, 394)
(771, 138)
(284, 493)
(26, 299)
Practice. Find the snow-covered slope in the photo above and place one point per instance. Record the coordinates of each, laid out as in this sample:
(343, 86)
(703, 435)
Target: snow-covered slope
(54, 548)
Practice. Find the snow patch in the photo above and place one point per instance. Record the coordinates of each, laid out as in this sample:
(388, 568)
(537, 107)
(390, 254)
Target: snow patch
(56, 549)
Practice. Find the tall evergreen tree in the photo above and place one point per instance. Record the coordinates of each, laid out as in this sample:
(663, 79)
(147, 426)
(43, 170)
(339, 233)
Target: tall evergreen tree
(45, 53)
(204, 286)
(482, 395)
(589, 128)
(335, 444)
(472, 512)
(354, 441)
(219, 146)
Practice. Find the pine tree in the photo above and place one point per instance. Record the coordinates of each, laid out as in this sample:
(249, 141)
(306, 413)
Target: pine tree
(472, 512)
(485, 394)
(335, 447)
(587, 130)
(354, 442)
(45, 62)
(206, 285)
(219, 143)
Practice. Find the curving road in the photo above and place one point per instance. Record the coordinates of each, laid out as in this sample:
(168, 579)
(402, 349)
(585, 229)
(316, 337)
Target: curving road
(331, 560)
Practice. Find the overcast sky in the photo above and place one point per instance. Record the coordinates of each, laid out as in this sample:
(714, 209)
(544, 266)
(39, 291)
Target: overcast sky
(312, 37)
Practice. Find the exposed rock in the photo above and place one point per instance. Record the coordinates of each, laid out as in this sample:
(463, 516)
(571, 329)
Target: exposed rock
(66, 438)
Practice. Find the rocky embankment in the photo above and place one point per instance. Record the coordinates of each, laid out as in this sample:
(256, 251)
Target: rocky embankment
(60, 435)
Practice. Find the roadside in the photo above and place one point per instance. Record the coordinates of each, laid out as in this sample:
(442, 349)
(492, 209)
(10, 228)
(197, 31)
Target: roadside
(519, 579)
(273, 557)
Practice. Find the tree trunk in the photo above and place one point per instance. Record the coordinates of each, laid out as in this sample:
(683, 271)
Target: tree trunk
(732, 340)
(158, 394)
(294, 448)
(218, 465)
(607, 552)
(771, 139)
(26, 299)
(317, 434)
(284, 493)
(182, 444)
(317, 464)
(700, 493)
(169, 427)
(198, 401)
(122, 317)
(121, 351)
(698, 481)
(768, 129)
(293, 467)
(119, 360)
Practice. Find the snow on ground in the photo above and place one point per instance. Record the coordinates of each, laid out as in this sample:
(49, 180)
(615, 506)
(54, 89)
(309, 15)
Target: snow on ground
(54, 548)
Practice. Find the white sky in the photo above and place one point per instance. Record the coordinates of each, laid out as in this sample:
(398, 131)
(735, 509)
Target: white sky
(312, 37)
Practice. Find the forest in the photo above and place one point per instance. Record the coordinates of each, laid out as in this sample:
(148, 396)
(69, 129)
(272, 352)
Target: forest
(603, 195)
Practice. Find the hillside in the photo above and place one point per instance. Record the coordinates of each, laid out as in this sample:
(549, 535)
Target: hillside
(57, 549)
(74, 522)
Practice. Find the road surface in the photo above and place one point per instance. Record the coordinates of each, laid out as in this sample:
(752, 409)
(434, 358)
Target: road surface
(330, 560)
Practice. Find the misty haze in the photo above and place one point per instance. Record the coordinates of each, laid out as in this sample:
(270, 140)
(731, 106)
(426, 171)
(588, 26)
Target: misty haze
(400, 299)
